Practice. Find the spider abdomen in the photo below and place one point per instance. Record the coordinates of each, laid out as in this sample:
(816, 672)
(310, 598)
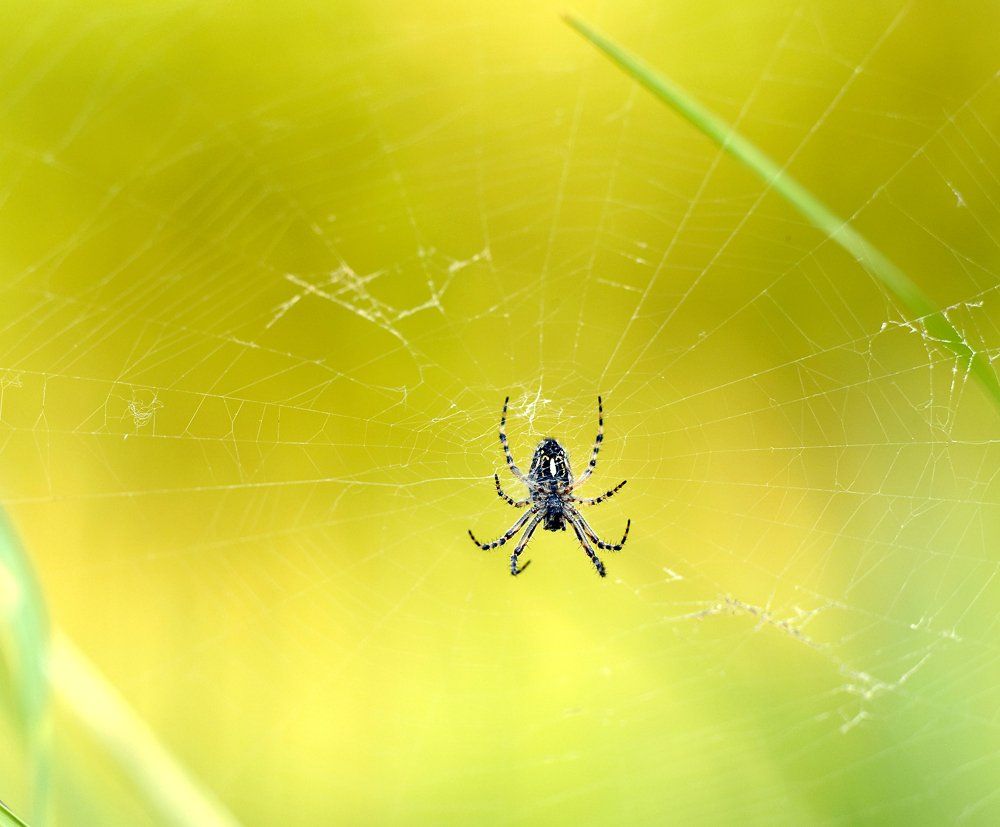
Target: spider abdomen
(550, 464)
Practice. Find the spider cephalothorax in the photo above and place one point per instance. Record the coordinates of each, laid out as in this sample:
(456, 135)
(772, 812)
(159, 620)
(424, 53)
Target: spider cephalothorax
(550, 496)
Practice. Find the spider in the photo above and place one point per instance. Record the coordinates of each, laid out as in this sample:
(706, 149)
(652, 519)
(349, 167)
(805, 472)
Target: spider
(550, 496)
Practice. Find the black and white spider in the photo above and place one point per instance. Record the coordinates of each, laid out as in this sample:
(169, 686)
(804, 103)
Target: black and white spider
(550, 496)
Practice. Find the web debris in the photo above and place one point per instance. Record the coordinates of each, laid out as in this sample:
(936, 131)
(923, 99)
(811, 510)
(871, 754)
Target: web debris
(355, 293)
(143, 408)
(942, 411)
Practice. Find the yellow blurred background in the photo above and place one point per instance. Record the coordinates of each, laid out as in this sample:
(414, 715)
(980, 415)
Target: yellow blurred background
(268, 271)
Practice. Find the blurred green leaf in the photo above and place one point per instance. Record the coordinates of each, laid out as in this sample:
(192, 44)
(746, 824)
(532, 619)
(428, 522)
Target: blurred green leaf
(935, 322)
(176, 796)
(23, 646)
(8, 819)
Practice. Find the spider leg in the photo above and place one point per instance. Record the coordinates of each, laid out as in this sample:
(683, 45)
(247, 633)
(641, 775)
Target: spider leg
(510, 533)
(586, 547)
(602, 498)
(506, 448)
(509, 500)
(576, 516)
(597, 443)
(520, 546)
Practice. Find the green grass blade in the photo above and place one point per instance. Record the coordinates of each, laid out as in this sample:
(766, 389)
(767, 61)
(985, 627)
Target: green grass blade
(8, 819)
(935, 322)
(44, 664)
(24, 636)
(175, 796)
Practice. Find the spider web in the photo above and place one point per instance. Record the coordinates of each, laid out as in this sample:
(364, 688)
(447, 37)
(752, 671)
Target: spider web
(263, 304)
